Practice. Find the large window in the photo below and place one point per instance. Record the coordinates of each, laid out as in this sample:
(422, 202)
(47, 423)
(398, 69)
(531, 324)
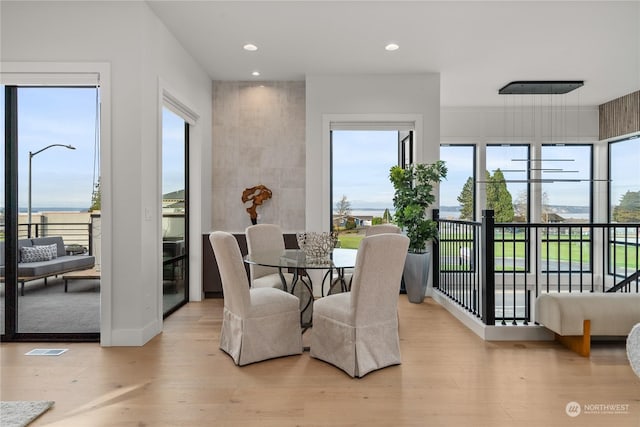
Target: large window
(560, 175)
(565, 175)
(624, 176)
(506, 178)
(457, 192)
(624, 206)
(362, 194)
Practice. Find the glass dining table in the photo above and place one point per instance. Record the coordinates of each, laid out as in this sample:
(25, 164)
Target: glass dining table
(296, 262)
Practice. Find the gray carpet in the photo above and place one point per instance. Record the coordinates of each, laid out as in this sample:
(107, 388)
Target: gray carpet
(48, 309)
(22, 412)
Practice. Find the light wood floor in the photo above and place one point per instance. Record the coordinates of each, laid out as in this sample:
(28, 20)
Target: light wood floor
(448, 377)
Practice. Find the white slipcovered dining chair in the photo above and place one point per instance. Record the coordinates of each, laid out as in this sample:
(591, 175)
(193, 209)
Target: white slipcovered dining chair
(262, 238)
(357, 331)
(257, 323)
(633, 348)
(371, 231)
(382, 228)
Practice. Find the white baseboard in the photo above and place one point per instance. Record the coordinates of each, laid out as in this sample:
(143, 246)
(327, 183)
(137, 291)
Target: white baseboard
(492, 333)
(135, 337)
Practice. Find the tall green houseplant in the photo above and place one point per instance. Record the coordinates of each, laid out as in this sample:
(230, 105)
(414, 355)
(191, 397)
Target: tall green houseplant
(414, 193)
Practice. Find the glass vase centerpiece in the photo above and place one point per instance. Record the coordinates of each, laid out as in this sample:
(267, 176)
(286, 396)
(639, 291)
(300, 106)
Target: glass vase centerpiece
(317, 245)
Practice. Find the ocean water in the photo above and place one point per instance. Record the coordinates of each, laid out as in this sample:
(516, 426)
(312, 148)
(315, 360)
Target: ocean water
(452, 214)
(52, 209)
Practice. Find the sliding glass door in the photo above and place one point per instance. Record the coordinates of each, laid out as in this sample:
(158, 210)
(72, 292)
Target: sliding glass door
(175, 211)
(50, 177)
(3, 205)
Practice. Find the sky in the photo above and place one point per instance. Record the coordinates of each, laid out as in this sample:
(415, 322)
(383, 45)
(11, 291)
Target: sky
(61, 177)
(172, 152)
(361, 164)
(626, 175)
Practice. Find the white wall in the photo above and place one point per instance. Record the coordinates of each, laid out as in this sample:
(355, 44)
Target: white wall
(258, 138)
(141, 54)
(515, 124)
(414, 97)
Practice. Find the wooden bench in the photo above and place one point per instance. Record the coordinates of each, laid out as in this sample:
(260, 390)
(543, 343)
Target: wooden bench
(576, 317)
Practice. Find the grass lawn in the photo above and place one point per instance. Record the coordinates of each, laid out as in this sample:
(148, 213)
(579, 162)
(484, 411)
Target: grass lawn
(555, 249)
(350, 240)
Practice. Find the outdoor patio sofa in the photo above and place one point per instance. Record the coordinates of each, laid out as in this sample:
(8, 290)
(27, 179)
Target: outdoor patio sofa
(42, 259)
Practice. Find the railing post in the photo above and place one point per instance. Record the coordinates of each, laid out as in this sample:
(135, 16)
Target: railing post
(90, 236)
(527, 306)
(436, 251)
(488, 268)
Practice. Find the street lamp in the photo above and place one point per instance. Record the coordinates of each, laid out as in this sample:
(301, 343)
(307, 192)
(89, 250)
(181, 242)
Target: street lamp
(70, 147)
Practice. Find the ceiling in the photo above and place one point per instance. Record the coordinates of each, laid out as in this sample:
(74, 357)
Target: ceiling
(477, 46)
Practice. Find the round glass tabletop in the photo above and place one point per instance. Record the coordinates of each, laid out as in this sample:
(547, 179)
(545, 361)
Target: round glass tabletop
(296, 258)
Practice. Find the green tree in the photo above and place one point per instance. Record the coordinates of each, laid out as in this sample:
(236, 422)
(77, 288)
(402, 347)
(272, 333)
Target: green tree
(498, 197)
(466, 200)
(629, 208)
(386, 216)
(96, 198)
(376, 220)
(351, 223)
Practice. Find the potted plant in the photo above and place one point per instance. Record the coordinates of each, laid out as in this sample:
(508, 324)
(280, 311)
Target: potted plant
(414, 193)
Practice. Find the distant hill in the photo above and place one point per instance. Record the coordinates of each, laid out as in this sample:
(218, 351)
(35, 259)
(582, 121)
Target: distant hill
(560, 209)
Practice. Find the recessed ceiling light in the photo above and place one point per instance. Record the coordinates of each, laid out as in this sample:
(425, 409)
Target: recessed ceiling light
(250, 47)
(255, 73)
(392, 46)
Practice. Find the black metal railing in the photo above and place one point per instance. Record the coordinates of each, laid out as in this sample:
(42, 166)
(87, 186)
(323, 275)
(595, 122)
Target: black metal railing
(495, 271)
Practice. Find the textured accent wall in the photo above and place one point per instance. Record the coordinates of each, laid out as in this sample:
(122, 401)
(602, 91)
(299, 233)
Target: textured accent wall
(620, 116)
(258, 138)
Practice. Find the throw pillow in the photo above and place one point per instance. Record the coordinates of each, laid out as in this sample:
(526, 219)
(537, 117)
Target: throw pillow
(53, 249)
(35, 253)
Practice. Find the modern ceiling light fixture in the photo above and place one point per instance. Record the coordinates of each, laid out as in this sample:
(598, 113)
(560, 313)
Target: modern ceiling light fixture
(391, 47)
(250, 47)
(542, 87)
(255, 73)
(536, 166)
